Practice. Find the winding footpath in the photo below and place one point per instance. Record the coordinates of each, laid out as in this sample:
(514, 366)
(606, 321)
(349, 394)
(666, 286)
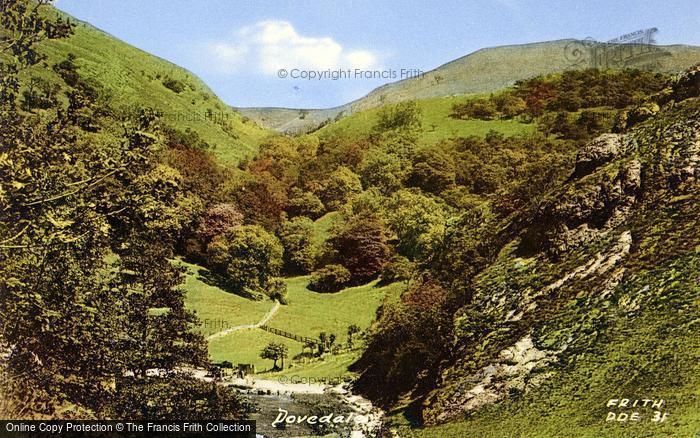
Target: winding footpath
(263, 321)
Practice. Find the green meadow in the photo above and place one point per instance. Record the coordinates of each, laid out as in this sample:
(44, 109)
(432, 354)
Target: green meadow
(437, 123)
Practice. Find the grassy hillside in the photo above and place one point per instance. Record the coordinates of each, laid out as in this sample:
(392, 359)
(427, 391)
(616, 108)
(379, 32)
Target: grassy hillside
(437, 123)
(485, 70)
(132, 78)
(596, 300)
(217, 309)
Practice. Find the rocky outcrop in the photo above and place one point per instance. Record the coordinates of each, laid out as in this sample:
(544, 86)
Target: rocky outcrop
(516, 369)
(599, 198)
(597, 152)
(687, 85)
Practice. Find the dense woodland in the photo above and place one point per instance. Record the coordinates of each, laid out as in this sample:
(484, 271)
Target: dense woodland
(96, 203)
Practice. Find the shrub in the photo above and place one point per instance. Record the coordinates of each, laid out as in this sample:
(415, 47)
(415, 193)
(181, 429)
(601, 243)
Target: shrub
(330, 278)
(278, 290)
(174, 85)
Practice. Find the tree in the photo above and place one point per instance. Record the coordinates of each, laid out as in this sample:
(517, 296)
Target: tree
(398, 269)
(509, 104)
(433, 170)
(297, 238)
(352, 331)
(311, 345)
(274, 352)
(398, 127)
(176, 397)
(247, 256)
(324, 344)
(418, 221)
(384, 171)
(73, 319)
(214, 222)
(411, 336)
(339, 188)
(278, 290)
(484, 109)
(260, 197)
(362, 243)
(303, 203)
(403, 118)
(161, 339)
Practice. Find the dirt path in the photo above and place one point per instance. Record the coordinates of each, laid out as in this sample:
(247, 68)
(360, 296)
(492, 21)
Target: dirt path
(263, 321)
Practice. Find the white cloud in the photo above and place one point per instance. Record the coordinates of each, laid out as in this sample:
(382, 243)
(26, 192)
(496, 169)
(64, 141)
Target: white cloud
(274, 44)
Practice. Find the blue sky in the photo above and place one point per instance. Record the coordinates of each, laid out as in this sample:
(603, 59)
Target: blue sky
(238, 47)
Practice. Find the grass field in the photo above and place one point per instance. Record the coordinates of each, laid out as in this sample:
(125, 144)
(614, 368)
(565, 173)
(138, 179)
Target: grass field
(437, 123)
(322, 227)
(307, 314)
(216, 308)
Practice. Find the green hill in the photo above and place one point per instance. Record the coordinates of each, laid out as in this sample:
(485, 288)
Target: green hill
(483, 71)
(132, 78)
(436, 119)
(592, 299)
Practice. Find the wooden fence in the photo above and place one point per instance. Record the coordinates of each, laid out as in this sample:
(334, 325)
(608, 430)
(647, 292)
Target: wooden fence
(302, 339)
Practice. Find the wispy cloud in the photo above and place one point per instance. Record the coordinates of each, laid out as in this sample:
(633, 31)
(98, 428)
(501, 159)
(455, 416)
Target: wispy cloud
(270, 45)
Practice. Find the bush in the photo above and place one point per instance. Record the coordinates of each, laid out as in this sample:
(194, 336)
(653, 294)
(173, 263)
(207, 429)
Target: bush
(330, 278)
(174, 85)
(278, 290)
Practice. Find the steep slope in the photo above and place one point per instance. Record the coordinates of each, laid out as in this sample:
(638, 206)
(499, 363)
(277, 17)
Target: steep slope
(595, 301)
(483, 71)
(132, 78)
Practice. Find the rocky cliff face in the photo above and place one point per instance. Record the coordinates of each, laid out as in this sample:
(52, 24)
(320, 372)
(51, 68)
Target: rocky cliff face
(615, 248)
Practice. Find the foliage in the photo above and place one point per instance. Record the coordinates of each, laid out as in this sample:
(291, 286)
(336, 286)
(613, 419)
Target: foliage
(339, 188)
(77, 194)
(433, 170)
(302, 203)
(410, 337)
(418, 221)
(362, 246)
(297, 238)
(213, 222)
(175, 397)
(399, 122)
(330, 278)
(383, 171)
(278, 290)
(260, 197)
(398, 269)
(274, 352)
(247, 256)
